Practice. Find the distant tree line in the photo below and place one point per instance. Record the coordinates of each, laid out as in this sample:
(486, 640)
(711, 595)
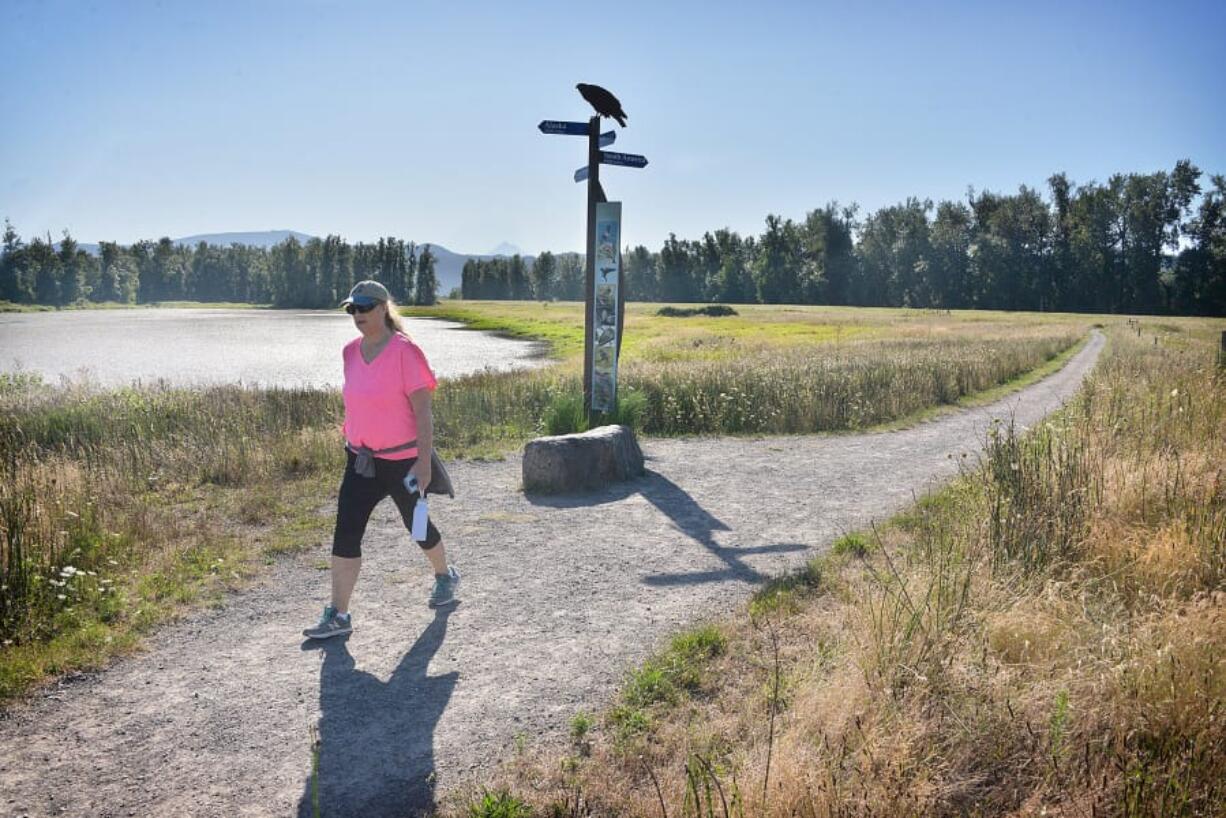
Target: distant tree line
(1139, 243)
(316, 274)
(548, 276)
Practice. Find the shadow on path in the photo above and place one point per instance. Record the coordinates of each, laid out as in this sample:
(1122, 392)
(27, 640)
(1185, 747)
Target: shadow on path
(376, 739)
(688, 517)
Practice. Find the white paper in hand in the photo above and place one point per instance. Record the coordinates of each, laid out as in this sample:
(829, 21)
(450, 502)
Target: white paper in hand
(421, 512)
(421, 516)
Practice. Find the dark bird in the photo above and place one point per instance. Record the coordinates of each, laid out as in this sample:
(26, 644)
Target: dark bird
(605, 103)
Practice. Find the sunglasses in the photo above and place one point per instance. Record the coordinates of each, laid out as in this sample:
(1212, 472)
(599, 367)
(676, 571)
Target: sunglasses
(362, 308)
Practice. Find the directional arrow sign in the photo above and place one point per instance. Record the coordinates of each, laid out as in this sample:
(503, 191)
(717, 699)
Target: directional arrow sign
(608, 138)
(567, 128)
(631, 160)
(581, 174)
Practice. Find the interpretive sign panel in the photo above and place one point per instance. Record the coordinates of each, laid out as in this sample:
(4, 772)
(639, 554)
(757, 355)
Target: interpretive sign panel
(604, 311)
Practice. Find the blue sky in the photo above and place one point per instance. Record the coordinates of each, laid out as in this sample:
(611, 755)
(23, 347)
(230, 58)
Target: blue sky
(418, 119)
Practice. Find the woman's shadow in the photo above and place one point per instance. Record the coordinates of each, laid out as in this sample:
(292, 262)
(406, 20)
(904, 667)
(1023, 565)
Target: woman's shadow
(375, 750)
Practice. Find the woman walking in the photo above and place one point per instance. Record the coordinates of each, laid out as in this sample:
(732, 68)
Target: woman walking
(389, 439)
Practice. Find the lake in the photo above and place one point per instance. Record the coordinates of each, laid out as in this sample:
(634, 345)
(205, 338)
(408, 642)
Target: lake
(204, 346)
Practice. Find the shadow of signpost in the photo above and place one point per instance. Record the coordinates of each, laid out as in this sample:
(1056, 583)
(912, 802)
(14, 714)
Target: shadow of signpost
(688, 517)
(700, 525)
(376, 739)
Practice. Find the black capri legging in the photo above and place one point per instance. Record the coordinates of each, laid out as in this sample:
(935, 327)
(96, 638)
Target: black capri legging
(359, 496)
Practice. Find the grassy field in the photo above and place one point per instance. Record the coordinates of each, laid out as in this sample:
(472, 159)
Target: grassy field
(768, 370)
(756, 327)
(120, 507)
(1043, 637)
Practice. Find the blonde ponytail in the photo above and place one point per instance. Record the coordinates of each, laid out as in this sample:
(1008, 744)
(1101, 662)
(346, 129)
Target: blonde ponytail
(392, 319)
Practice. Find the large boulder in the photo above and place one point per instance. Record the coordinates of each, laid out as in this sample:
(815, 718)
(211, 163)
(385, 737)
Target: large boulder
(563, 464)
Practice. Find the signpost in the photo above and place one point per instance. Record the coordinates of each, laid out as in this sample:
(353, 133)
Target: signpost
(553, 126)
(630, 160)
(604, 289)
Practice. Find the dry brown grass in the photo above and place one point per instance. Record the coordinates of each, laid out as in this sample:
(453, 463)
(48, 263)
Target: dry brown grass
(1045, 637)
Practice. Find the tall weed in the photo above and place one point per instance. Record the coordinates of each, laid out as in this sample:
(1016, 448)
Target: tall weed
(1043, 637)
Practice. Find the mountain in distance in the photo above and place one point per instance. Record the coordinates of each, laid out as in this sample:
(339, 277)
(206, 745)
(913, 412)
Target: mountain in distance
(448, 267)
(263, 238)
(506, 249)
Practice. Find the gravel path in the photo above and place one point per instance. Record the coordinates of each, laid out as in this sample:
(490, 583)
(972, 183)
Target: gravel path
(559, 598)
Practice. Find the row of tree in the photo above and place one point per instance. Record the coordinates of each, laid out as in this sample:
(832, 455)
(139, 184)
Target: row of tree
(546, 277)
(316, 274)
(1140, 243)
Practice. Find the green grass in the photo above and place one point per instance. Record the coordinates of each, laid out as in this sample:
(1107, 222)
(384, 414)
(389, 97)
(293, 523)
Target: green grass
(783, 595)
(677, 671)
(12, 306)
(170, 555)
(559, 325)
(580, 726)
(767, 370)
(565, 415)
(500, 804)
(856, 544)
(649, 336)
(119, 508)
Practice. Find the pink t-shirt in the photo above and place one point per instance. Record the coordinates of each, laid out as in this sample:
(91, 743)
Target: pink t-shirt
(377, 409)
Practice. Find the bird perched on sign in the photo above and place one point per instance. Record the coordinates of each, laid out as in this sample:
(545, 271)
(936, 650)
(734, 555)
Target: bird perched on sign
(605, 103)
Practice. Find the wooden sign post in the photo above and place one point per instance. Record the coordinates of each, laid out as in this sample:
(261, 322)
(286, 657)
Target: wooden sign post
(596, 332)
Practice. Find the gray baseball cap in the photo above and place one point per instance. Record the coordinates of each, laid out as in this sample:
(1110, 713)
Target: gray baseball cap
(366, 292)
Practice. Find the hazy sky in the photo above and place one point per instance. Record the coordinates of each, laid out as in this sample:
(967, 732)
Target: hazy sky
(127, 120)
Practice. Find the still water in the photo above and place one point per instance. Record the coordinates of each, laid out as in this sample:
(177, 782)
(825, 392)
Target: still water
(201, 346)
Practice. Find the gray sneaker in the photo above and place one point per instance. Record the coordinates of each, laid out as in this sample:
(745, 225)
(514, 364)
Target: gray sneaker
(444, 592)
(330, 624)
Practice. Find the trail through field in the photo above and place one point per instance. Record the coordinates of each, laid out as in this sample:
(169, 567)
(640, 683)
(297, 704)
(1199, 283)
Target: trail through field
(559, 598)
